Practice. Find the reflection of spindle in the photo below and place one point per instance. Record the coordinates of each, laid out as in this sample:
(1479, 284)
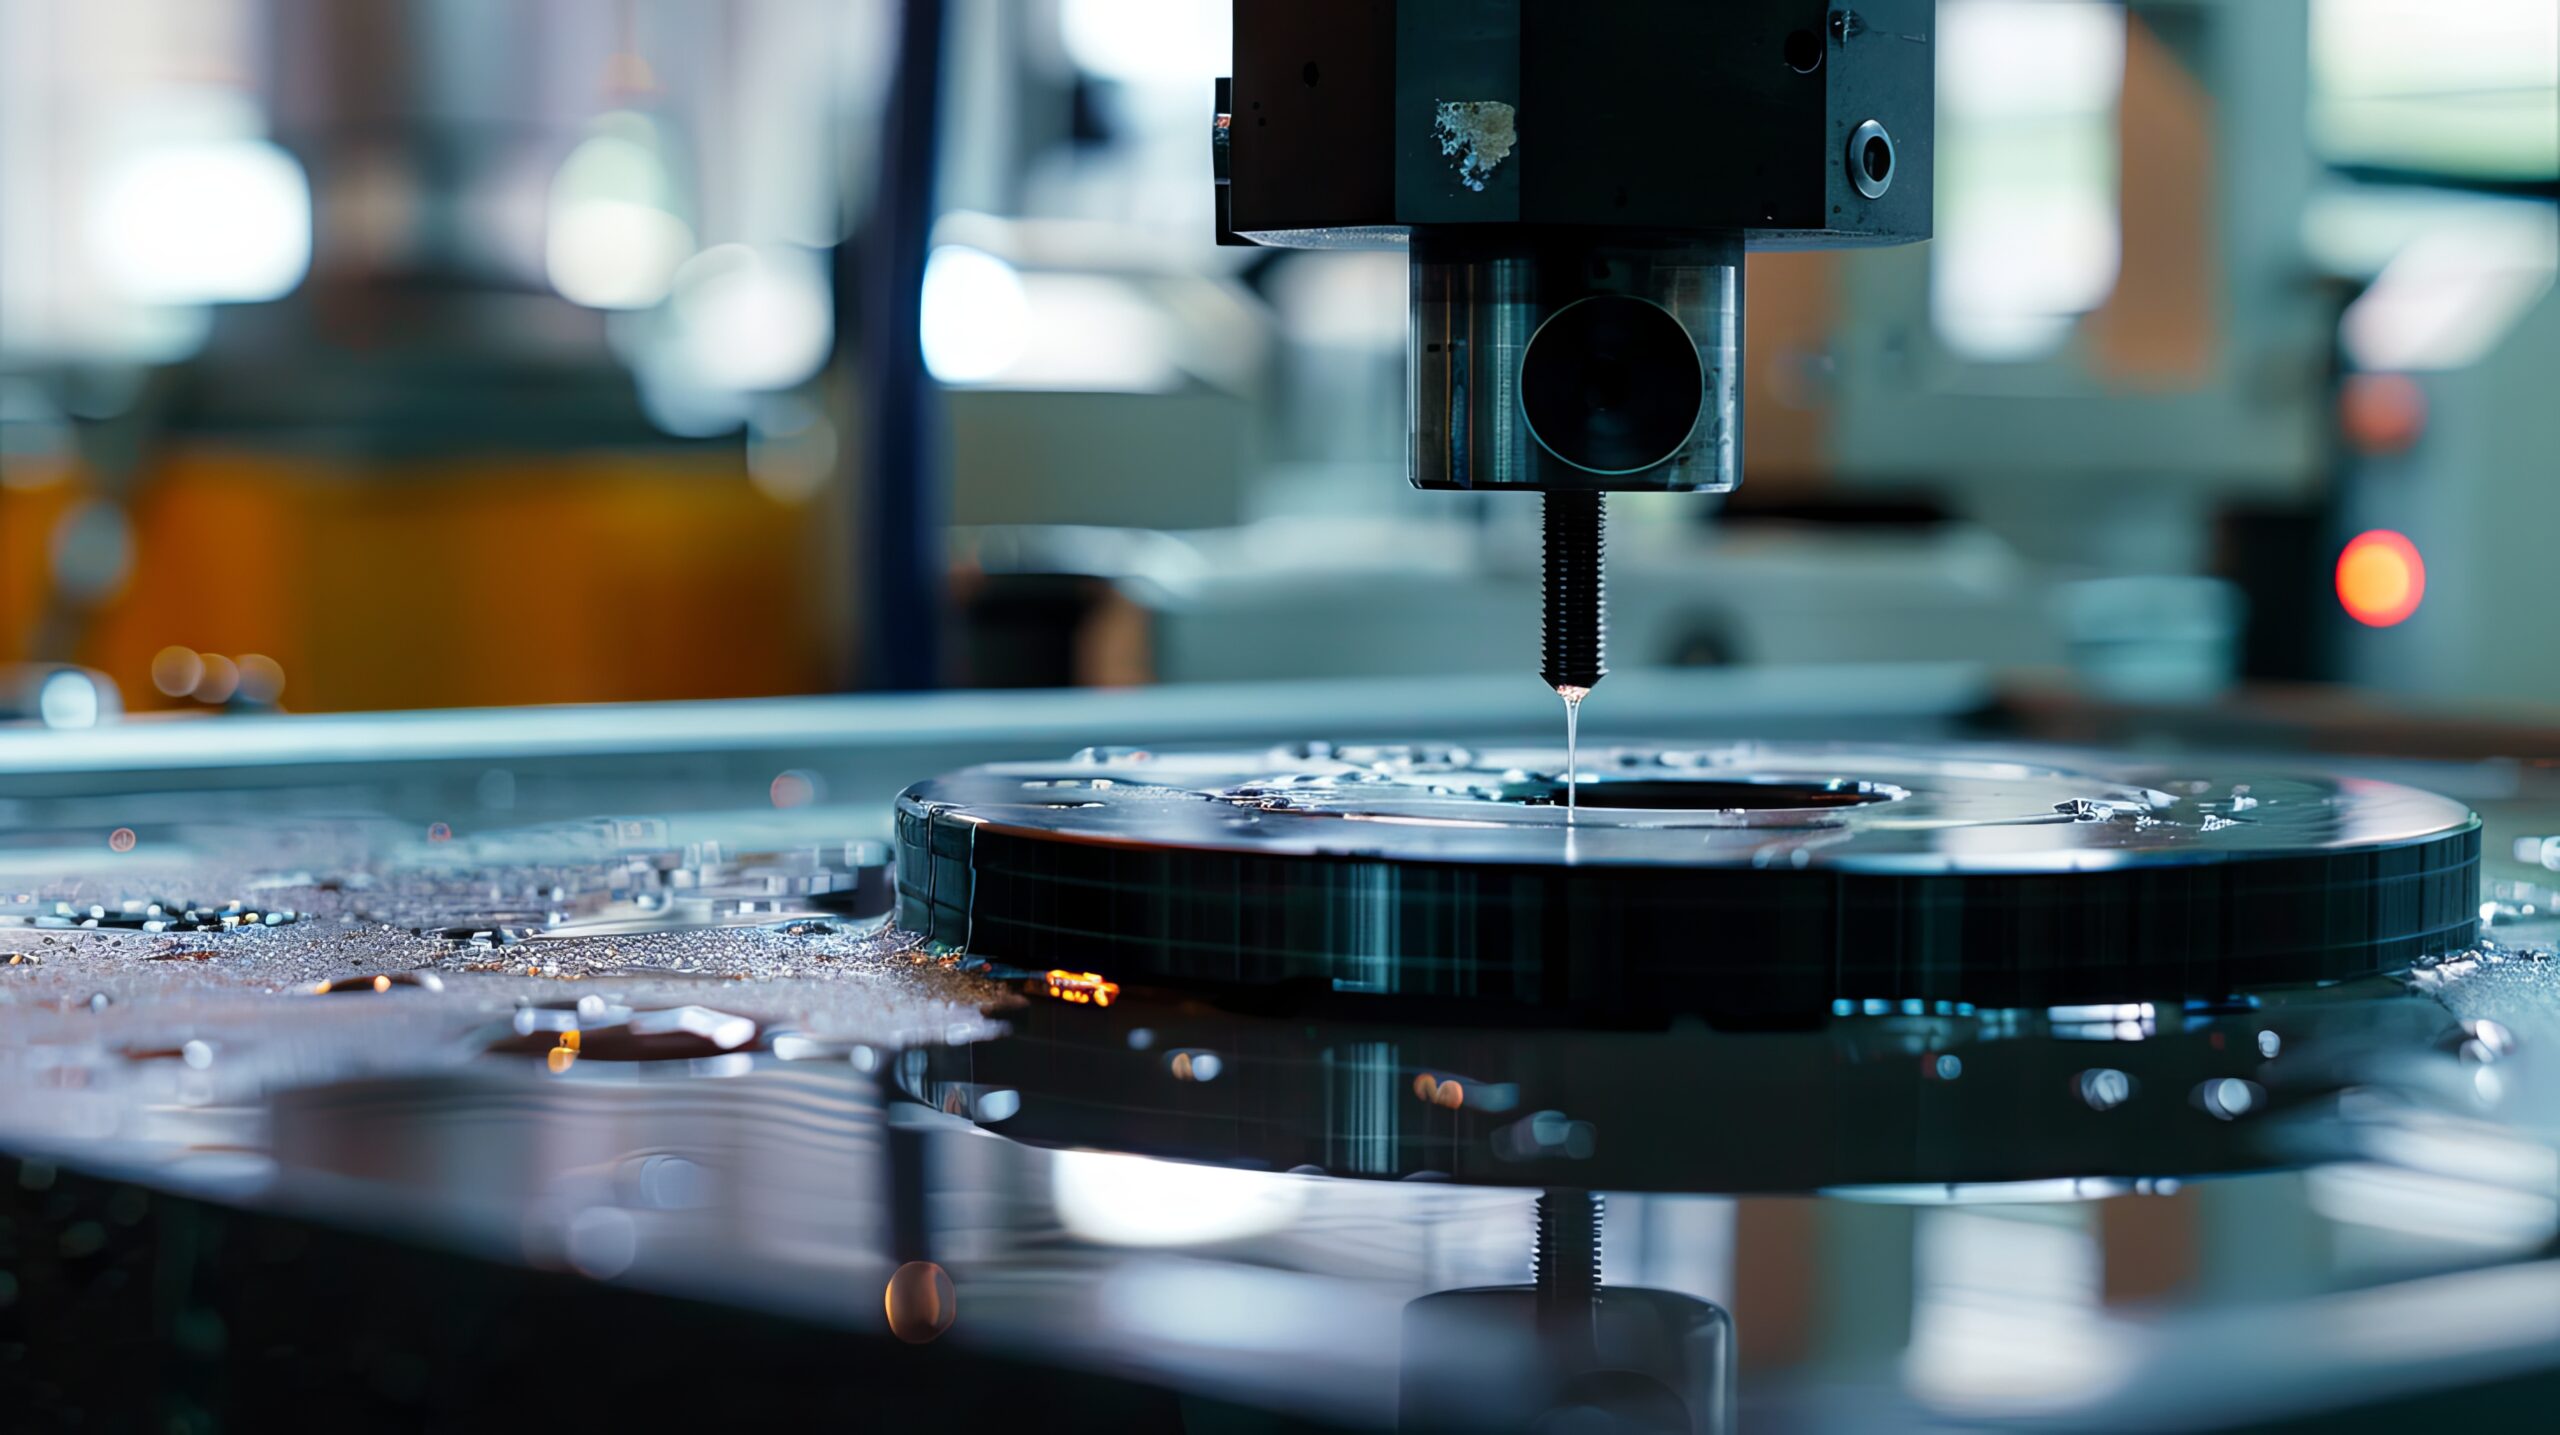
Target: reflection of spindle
(1566, 1267)
(1558, 1355)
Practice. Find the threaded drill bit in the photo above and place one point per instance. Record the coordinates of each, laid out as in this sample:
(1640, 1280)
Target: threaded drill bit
(1576, 654)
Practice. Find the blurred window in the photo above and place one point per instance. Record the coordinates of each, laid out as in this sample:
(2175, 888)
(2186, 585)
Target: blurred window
(2465, 89)
(2028, 237)
(137, 181)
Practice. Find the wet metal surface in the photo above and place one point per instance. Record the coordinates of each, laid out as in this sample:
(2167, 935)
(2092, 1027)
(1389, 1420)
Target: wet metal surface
(685, 1054)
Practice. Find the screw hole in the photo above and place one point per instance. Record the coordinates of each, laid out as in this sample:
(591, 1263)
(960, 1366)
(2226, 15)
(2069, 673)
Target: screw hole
(1870, 159)
(1804, 51)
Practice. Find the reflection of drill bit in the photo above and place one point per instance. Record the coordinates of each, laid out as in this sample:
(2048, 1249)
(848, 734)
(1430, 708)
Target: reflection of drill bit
(1576, 657)
(1565, 1263)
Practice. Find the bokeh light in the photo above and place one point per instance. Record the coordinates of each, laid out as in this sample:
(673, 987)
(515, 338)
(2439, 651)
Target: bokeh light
(208, 222)
(2381, 578)
(261, 678)
(69, 698)
(752, 318)
(220, 680)
(2381, 413)
(176, 669)
(2229, 1098)
(614, 239)
(975, 318)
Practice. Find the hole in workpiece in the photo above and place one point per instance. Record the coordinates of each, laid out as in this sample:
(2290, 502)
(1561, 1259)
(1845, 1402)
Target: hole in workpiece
(1673, 795)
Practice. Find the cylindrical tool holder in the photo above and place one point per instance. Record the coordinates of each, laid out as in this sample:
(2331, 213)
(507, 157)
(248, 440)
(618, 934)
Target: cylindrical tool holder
(1568, 362)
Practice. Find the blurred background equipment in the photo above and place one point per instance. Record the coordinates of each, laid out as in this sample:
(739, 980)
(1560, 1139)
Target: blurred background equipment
(524, 357)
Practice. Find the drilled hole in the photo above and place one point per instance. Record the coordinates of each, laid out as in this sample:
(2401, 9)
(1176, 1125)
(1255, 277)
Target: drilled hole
(1639, 794)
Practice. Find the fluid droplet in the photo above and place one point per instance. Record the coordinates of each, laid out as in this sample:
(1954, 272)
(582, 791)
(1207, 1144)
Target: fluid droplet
(920, 1302)
(1573, 697)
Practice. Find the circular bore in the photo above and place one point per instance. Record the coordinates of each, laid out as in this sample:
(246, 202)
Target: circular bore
(1870, 159)
(1734, 883)
(1612, 384)
(1719, 796)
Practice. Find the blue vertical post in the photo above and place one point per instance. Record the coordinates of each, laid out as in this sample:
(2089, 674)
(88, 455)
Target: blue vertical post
(901, 546)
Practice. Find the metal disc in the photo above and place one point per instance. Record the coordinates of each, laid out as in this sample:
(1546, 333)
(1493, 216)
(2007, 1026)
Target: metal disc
(1752, 884)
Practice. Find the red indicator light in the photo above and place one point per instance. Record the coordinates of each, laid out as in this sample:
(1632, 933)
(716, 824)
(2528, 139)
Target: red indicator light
(2381, 578)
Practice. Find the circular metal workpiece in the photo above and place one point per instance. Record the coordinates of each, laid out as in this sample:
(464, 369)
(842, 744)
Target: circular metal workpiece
(1870, 159)
(1750, 884)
